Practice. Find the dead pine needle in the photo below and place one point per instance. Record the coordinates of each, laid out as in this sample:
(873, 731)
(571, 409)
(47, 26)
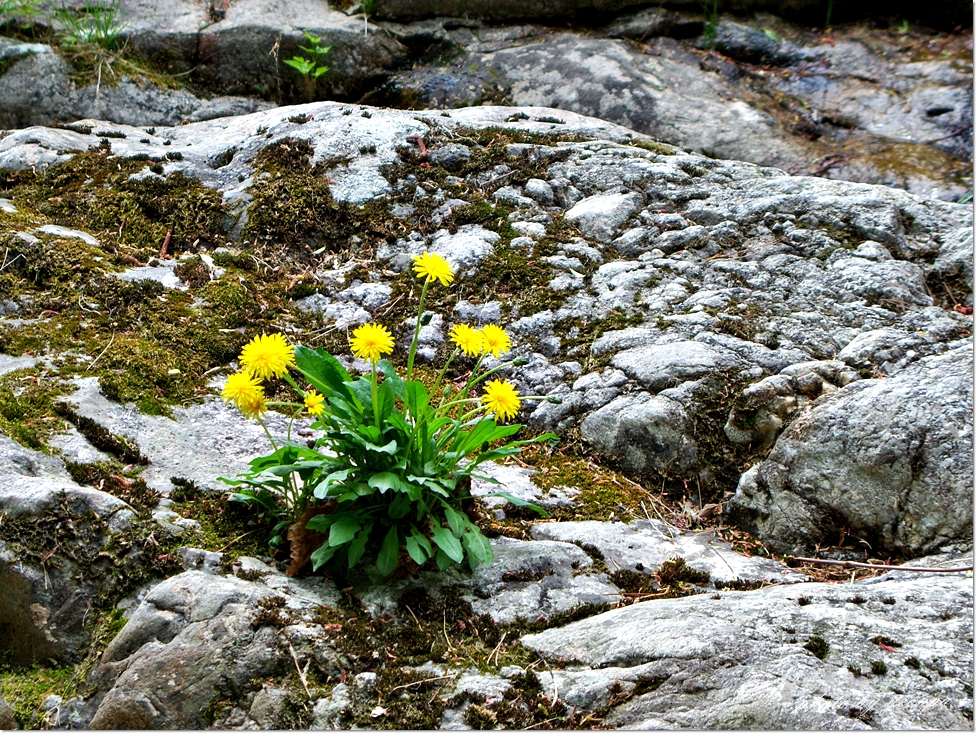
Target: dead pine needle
(101, 353)
(300, 671)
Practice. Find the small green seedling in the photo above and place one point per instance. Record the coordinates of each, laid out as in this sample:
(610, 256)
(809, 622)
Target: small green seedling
(21, 12)
(309, 65)
(366, 7)
(711, 15)
(94, 24)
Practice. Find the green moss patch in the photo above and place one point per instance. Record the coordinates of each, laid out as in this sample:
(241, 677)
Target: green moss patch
(818, 647)
(224, 526)
(26, 690)
(27, 399)
(93, 191)
(445, 630)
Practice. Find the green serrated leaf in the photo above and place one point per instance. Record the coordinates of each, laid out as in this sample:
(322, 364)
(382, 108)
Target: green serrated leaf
(518, 502)
(321, 523)
(358, 546)
(415, 551)
(444, 562)
(399, 507)
(421, 540)
(478, 545)
(322, 555)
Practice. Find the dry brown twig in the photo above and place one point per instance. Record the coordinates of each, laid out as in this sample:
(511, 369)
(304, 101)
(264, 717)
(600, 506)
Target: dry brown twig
(882, 566)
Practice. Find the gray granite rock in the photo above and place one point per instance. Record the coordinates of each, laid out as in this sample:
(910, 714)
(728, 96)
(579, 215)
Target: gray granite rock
(889, 459)
(39, 91)
(201, 443)
(201, 629)
(782, 657)
(599, 216)
(644, 545)
(643, 432)
(528, 580)
(7, 720)
(43, 609)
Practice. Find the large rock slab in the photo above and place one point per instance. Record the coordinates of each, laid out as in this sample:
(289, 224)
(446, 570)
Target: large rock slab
(856, 108)
(808, 10)
(528, 581)
(644, 545)
(239, 47)
(723, 274)
(194, 639)
(890, 460)
(644, 433)
(783, 657)
(200, 443)
(49, 587)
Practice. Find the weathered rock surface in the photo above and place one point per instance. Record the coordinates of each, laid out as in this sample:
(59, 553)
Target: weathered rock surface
(644, 545)
(199, 444)
(891, 459)
(858, 104)
(216, 634)
(688, 312)
(45, 601)
(806, 10)
(238, 48)
(786, 657)
(742, 285)
(193, 640)
(853, 108)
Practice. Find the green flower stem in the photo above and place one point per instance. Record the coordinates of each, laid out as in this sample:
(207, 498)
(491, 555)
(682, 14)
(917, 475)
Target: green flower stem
(268, 434)
(474, 381)
(373, 381)
(417, 330)
(471, 378)
(444, 369)
(471, 414)
(457, 401)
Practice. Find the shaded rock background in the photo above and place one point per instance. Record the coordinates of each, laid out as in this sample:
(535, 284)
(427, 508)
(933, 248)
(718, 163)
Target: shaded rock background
(804, 11)
(861, 103)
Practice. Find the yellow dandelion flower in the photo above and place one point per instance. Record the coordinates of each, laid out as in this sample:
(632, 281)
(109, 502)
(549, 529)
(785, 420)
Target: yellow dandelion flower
(433, 267)
(502, 399)
(267, 356)
(467, 339)
(371, 341)
(241, 387)
(314, 403)
(496, 340)
(254, 406)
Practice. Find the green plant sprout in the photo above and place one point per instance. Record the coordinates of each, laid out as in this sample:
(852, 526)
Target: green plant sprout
(366, 7)
(827, 15)
(309, 65)
(94, 24)
(388, 479)
(711, 14)
(22, 11)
